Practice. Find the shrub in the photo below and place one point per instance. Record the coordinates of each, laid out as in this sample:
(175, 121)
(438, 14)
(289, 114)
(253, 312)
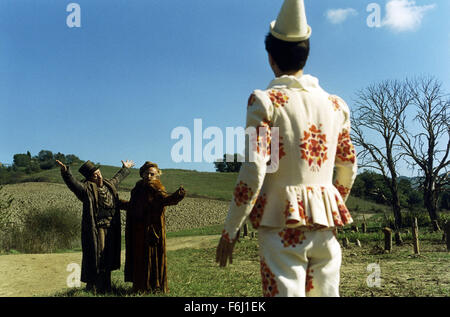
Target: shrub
(46, 165)
(443, 218)
(37, 179)
(423, 219)
(5, 216)
(43, 231)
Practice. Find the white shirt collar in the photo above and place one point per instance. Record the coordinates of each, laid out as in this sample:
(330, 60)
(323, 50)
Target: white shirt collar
(305, 82)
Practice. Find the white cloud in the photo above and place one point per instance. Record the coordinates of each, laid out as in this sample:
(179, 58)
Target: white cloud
(337, 16)
(404, 15)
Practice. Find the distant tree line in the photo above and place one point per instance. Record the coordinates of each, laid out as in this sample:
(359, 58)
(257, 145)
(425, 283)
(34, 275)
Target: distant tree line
(371, 186)
(25, 163)
(44, 160)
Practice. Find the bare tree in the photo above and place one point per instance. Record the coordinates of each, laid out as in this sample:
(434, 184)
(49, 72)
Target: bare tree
(422, 143)
(376, 128)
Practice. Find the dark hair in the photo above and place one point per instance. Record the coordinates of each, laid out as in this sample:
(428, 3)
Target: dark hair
(289, 56)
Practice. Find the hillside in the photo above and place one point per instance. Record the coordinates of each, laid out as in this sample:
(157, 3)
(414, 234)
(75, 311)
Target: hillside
(212, 185)
(198, 184)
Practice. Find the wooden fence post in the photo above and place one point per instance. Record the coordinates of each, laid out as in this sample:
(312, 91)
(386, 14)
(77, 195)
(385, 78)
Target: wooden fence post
(387, 239)
(245, 234)
(415, 235)
(345, 242)
(363, 227)
(447, 234)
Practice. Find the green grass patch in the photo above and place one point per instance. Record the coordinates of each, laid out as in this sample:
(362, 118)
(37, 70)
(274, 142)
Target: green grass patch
(205, 231)
(194, 273)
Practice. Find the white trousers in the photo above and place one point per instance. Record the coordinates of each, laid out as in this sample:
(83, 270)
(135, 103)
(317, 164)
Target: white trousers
(299, 263)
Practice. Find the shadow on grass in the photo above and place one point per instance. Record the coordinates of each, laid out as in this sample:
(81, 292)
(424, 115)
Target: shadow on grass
(118, 289)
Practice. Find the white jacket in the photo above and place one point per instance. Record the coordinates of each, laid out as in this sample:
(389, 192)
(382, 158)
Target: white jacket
(314, 142)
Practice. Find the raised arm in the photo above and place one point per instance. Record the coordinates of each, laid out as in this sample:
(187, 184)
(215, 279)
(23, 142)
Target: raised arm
(122, 173)
(74, 185)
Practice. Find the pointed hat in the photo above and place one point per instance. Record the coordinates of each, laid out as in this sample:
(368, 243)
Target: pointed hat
(291, 24)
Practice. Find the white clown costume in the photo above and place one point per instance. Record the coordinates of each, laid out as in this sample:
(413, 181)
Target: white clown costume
(297, 207)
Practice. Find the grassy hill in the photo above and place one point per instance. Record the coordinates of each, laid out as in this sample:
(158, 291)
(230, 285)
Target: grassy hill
(198, 184)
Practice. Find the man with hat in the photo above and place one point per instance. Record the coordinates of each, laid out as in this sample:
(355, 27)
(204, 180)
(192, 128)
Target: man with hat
(100, 227)
(145, 231)
(297, 208)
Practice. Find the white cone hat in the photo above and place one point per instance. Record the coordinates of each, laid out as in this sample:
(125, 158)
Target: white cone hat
(291, 24)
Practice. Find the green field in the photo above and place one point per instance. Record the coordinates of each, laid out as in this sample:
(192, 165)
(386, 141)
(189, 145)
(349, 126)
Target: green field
(210, 185)
(198, 184)
(193, 272)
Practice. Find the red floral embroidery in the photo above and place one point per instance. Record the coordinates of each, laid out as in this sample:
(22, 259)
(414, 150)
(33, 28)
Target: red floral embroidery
(337, 219)
(288, 210)
(242, 194)
(263, 138)
(313, 147)
(343, 212)
(251, 100)
(309, 280)
(345, 150)
(291, 237)
(301, 208)
(344, 191)
(258, 210)
(269, 283)
(278, 98)
(335, 101)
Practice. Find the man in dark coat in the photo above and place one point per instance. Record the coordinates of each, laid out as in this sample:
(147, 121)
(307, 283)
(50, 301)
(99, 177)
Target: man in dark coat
(145, 231)
(100, 227)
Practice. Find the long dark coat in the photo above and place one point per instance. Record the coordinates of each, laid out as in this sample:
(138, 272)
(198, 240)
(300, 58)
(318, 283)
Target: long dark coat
(145, 236)
(88, 194)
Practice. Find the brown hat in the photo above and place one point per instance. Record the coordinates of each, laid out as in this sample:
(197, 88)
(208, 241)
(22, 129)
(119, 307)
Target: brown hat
(146, 166)
(88, 168)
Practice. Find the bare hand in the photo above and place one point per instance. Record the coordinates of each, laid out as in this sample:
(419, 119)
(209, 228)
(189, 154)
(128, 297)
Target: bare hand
(224, 252)
(62, 166)
(127, 164)
(181, 191)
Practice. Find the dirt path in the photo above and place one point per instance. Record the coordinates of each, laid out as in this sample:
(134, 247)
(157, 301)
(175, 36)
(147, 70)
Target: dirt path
(44, 274)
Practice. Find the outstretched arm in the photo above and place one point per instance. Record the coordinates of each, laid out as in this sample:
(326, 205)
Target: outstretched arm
(122, 173)
(75, 186)
(175, 198)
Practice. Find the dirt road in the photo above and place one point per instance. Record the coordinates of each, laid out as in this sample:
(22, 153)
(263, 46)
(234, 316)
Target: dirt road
(44, 274)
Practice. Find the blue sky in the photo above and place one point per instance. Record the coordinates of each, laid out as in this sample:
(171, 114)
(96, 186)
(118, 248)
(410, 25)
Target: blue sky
(116, 87)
